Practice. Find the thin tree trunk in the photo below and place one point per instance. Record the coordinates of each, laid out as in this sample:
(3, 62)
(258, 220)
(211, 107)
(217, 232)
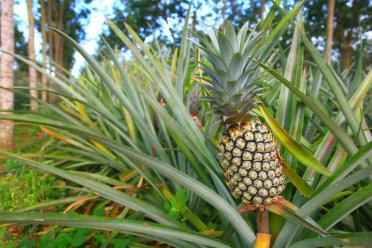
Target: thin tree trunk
(56, 37)
(346, 51)
(32, 75)
(58, 44)
(345, 36)
(51, 42)
(262, 12)
(330, 15)
(44, 82)
(61, 41)
(6, 74)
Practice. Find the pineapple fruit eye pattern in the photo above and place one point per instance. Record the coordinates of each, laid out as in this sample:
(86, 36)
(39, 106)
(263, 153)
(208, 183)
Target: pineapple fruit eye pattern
(252, 170)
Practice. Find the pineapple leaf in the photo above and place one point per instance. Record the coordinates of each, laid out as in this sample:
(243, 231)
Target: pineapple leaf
(345, 239)
(231, 36)
(342, 209)
(288, 231)
(99, 189)
(213, 37)
(156, 231)
(298, 181)
(225, 48)
(343, 137)
(236, 66)
(291, 215)
(291, 145)
(334, 83)
(242, 34)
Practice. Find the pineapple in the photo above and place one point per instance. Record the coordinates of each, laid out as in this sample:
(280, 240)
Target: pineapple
(248, 153)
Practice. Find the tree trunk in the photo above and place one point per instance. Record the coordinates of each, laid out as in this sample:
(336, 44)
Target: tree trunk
(262, 13)
(346, 51)
(345, 35)
(56, 38)
(6, 73)
(330, 15)
(58, 44)
(32, 75)
(60, 26)
(44, 82)
(51, 44)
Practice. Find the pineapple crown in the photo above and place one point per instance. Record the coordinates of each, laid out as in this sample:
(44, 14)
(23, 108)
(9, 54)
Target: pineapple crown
(234, 72)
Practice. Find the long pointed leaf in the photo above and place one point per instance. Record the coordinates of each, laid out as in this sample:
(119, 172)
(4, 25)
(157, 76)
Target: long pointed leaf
(292, 146)
(100, 223)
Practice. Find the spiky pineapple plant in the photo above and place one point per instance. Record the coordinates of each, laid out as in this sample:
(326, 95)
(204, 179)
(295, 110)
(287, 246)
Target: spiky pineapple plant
(144, 174)
(248, 152)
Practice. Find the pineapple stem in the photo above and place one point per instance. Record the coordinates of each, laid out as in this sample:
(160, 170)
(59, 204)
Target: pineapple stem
(263, 235)
(262, 218)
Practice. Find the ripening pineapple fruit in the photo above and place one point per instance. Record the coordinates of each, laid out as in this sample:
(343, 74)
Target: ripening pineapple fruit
(248, 152)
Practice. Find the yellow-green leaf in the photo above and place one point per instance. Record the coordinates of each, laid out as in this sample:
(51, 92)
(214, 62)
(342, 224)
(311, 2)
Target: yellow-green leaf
(299, 152)
(297, 181)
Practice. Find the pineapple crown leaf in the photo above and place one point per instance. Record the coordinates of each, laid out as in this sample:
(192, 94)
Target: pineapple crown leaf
(234, 70)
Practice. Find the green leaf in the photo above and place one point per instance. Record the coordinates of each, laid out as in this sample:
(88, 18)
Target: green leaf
(122, 243)
(236, 66)
(231, 36)
(198, 188)
(100, 189)
(292, 146)
(57, 202)
(126, 226)
(283, 110)
(289, 230)
(80, 236)
(333, 83)
(276, 33)
(342, 136)
(344, 208)
(350, 204)
(364, 153)
(292, 216)
(267, 23)
(347, 239)
(225, 48)
(297, 181)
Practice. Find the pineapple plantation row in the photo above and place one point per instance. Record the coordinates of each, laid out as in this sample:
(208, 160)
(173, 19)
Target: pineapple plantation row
(228, 141)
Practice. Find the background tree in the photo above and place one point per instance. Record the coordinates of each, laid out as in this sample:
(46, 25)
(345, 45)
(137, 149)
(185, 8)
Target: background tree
(32, 75)
(66, 16)
(330, 15)
(350, 21)
(147, 18)
(69, 18)
(50, 41)
(44, 49)
(6, 73)
(262, 13)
